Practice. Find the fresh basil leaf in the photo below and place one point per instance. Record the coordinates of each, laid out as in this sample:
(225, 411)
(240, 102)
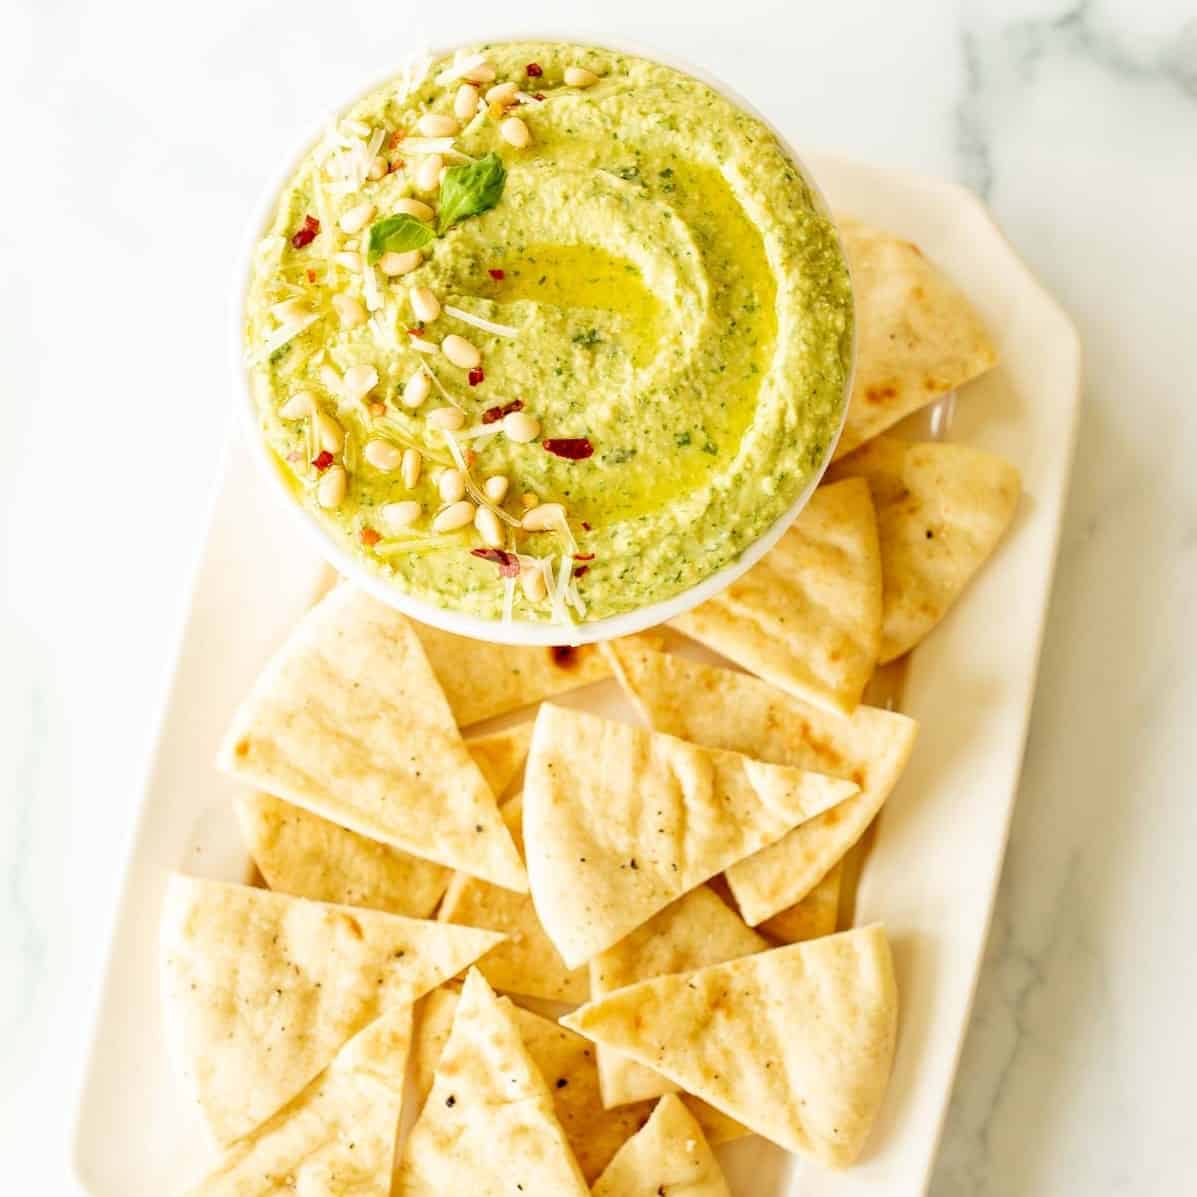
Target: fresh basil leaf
(397, 234)
(470, 189)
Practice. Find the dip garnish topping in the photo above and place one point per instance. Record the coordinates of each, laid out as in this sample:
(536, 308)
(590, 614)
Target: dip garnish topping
(306, 233)
(461, 352)
(456, 516)
(521, 427)
(579, 77)
(413, 462)
(397, 234)
(515, 132)
(508, 563)
(470, 190)
(369, 537)
(475, 376)
(534, 70)
(494, 414)
(424, 304)
(497, 275)
(322, 460)
(572, 448)
(330, 490)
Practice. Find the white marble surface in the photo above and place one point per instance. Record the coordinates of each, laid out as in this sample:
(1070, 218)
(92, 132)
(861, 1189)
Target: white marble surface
(137, 135)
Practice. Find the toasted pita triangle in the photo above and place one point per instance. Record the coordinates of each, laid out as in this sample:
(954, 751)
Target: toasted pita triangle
(501, 755)
(941, 510)
(795, 1043)
(669, 1155)
(566, 1061)
(807, 617)
(653, 817)
(527, 962)
(302, 854)
(917, 337)
(812, 916)
(349, 722)
(696, 930)
(262, 989)
(338, 1135)
(730, 710)
(489, 1115)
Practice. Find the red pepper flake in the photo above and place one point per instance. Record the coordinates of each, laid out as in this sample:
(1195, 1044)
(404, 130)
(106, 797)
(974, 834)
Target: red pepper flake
(586, 525)
(418, 331)
(583, 556)
(370, 537)
(475, 376)
(572, 448)
(508, 563)
(397, 137)
(322, 460)
(471, 458)
(534, 70)
(538, 95)
(494, 414)
(311, 275)
(306, 233)
(497, 275)
(581, 571)
(396, 164)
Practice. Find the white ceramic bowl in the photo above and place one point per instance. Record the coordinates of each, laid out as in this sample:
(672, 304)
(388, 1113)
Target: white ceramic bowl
(517, 631)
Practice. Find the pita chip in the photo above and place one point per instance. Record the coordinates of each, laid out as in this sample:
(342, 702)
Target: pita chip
(734, 711)
(696, 930)
(796, 1043)
(669, 1155)
(917, 336)
(941, 510)
(302, 854)
(337, 1135)
(810, 917)
(526, 962)
(567, 1062)
(349, 722)
(619, 822)
(807, 616)
(482, 680)
(501, 755)
(489, 1127)
(261, 989)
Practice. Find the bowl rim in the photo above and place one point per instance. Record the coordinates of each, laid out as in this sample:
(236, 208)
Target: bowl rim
(517, 631)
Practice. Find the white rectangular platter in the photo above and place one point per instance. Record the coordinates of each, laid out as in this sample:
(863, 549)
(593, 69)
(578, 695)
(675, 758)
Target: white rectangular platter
(930, 876)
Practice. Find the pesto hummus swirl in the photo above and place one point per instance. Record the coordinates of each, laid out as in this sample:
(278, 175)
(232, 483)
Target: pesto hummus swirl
(661, 302)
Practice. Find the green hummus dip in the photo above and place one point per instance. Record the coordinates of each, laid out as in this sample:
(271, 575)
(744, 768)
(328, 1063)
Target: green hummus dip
(666, 329)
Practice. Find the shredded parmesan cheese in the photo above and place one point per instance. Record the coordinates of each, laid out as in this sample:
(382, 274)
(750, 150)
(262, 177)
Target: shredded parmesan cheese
(440, 386)
(427, 145)
(461, 68)
(279, 338)
(499, 330)
(418, 544)
(472, 488)
(422, 346)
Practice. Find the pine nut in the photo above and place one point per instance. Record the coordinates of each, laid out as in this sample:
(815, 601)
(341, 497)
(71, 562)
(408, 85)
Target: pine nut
(451, 485)
(290, 311)
(532, 583)
(330, 490)
(436, 124)
(449, 418)
(413, 207)
(454, 517)
(489, 528)
(484, 72)
(543, 518)
(301, 404)
(410, 471)
(460, 352)
(357, 218)
(329, 433)
(358, 382)
(502, 93)
(382, 455)
(424, 304)
(349, 310)
(349, 260)
(393, 264)
(331, 379)
(395, 516)
(579, 77)
(515, 132)
(521, 427)
(416, 390)
(428, 173)
(465, 102)
(495, 488)
(378, 168)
